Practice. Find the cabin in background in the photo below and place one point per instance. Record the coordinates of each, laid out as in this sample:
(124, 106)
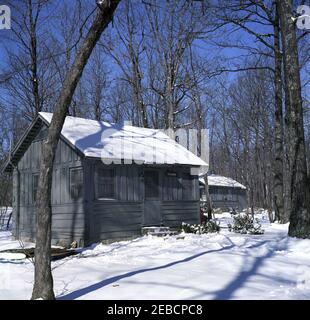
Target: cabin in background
(109, 181)
(225, 193)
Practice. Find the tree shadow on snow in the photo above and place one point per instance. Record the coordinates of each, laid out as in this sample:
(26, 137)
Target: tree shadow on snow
(228, 292)
(81, 292)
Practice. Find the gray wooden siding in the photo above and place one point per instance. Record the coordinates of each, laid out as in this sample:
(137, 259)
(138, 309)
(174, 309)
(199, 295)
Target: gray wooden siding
(123, 216)
(15, 202)
(228, 198)
(67, 224)
(128, 181)
(175, 188)
(176, 212)
(68, 220)
(89, 220)
(116, 219)
(129, 186)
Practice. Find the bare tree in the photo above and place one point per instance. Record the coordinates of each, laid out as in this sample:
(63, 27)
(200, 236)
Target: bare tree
(43, 286)
(130, 36)
(299, 180)
(197, 75)
(280, 214)
(98, 85)
(30, 79)
(172, 33)
(242, 140)
(250, 17)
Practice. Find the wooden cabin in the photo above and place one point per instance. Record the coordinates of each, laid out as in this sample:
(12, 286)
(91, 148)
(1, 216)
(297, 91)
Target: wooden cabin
(109, 181)
(226, 193)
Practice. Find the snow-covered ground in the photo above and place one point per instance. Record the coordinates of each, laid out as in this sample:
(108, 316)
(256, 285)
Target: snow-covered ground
(213, 266)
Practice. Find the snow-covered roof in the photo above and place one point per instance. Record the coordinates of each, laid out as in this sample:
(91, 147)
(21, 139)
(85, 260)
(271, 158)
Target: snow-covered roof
(103, 140)
(220, 181)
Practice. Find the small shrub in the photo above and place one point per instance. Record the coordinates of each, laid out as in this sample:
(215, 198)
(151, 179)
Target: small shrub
(245, 224)
(208, 227)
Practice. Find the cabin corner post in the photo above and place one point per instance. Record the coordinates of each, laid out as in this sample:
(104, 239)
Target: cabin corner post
(87, 200)
(16, 204)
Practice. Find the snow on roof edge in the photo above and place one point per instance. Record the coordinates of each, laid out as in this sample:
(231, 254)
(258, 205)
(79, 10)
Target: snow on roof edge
(221, 181)
(87, 136)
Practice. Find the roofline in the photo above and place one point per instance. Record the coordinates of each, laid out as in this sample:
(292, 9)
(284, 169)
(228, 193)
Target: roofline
(144, 163)
(8, 163)
(240, 186)
(232, 186)
(109, 159)
(4, 167)
(64, 139)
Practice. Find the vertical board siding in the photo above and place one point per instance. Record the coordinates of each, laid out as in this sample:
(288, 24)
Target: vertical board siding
(128, 184)
(39, 154)
(14, 204)
(114, 220)
(176, 212)
(119, 218)
(122, 171)
(236, 198)
(89, 220)
(68, 223)
(131, 185)
(174, 187)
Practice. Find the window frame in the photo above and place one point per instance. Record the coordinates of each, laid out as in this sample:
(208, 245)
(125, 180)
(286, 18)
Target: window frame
(187, 185)
(158, 195)
(97, 179)
(71, 184)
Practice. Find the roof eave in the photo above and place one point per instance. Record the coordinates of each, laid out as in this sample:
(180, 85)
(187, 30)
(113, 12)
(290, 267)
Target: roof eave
(139, 162)
(9, 164)
(17, 153)
(81, 153)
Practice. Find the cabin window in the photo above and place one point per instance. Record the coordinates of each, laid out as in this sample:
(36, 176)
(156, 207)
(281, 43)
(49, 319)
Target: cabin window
(76, 183)
(151, 184)
(230, 194)
(105, 184)
(223, 193)
(35, 182)
(173, 184)
(187, 186)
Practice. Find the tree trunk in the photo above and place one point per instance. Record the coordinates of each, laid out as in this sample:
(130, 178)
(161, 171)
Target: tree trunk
(300, 191)
(280, 214)
(170, 124)
(208, 198)
(200, 150)
(137, 87)
(43, 286)
(33, 54)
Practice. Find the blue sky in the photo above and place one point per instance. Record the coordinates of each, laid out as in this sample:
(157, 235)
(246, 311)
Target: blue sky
(204, 49)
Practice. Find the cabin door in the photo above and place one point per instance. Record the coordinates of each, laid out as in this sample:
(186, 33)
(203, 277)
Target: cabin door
(152, 198)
